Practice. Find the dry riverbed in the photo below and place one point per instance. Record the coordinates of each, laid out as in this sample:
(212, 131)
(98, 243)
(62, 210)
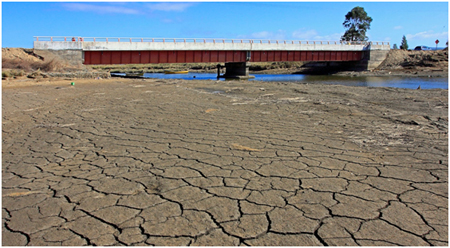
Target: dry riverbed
(174, 162)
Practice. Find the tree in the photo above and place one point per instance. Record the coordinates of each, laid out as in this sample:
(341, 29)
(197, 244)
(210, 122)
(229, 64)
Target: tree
(357, 23)
(404, 44)
(395, 47)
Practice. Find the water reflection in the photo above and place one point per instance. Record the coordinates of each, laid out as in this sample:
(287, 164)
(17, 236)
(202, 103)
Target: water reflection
(395, 82)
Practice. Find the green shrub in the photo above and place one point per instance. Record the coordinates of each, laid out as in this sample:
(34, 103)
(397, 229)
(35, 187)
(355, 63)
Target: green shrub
(6, 74)
(12, 73)
(17, 73)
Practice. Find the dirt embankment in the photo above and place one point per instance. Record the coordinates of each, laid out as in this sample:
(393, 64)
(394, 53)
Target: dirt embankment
(20, 62)
(419, 63)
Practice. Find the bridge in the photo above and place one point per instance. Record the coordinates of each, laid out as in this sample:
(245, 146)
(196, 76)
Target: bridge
(237, 54)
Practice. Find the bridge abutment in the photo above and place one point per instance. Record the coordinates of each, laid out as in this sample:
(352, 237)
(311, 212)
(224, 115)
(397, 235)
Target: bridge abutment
(72, 57)
(373, 58)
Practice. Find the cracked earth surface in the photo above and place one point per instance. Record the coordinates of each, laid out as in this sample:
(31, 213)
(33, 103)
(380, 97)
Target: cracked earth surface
(167, 162)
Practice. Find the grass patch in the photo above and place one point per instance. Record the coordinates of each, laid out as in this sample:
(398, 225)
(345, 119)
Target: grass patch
(12, 73)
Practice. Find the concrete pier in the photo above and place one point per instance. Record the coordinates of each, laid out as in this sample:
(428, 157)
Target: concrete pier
(236, 70)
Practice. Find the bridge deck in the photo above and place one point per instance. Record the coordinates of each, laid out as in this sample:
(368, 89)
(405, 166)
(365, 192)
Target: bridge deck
(151, 50)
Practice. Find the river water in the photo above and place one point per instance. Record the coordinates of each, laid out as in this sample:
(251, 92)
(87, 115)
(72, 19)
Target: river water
(391, 81)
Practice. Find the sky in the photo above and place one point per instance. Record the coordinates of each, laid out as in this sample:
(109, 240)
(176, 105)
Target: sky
(422, 23)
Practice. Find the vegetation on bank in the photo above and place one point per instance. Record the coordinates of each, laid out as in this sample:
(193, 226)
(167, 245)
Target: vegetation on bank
(23, 66)
(19, 62)
(13, 73)
(404, 44)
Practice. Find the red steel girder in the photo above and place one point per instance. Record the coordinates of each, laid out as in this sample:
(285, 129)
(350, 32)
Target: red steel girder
(158, 57)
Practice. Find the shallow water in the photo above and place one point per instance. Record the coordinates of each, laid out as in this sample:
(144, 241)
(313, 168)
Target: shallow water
(392, 81)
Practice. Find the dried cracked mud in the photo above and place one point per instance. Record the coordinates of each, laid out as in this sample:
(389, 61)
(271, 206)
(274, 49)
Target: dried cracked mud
(167, 162)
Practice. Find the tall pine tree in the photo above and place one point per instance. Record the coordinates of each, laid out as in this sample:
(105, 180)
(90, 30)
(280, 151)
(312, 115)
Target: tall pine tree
(404, 44)
(357, 23)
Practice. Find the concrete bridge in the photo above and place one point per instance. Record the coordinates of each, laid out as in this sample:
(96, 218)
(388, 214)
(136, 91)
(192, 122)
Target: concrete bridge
(235, 53)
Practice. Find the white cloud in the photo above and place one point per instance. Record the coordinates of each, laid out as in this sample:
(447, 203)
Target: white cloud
(126, 8)
(178, 7)
(427, 35)
(102, 9)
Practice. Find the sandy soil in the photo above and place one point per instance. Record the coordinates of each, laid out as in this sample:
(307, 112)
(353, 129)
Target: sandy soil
(19, 54)
(175, 162)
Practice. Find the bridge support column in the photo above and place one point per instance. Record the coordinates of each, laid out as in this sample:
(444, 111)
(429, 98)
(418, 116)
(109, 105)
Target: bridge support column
(235, 70)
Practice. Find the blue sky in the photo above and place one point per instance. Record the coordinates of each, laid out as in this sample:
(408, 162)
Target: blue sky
(421, 22)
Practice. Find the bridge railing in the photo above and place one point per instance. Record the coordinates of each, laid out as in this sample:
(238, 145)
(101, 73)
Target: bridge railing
(201, 40)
